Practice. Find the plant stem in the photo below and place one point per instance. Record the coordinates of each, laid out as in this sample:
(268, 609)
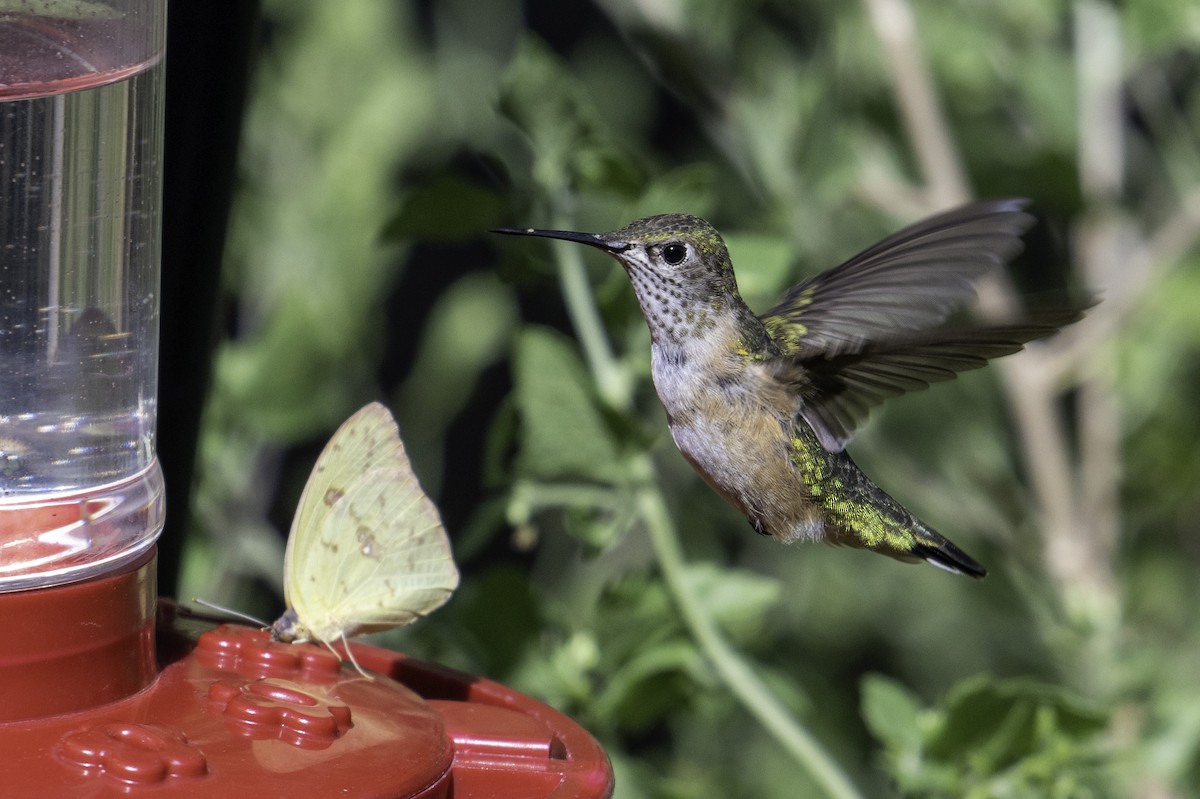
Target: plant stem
(732, 669)
(611, 382)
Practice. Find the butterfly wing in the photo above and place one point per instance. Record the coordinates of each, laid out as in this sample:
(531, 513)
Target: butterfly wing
(367, 440)
(389, 563)
(367, 548)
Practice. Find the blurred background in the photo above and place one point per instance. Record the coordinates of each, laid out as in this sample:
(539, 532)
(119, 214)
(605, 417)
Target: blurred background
(376, 142)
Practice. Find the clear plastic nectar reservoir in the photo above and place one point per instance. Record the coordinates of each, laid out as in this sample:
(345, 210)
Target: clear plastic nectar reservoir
(80, 196)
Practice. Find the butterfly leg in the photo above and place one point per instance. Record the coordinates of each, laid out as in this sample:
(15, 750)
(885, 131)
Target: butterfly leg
(350, 655)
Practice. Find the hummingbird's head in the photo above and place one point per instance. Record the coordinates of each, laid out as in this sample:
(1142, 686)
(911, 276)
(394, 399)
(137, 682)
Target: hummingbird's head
(678, 265)
(678, 253)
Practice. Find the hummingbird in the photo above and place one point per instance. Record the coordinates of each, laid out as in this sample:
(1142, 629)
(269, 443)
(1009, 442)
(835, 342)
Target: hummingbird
(763, 406)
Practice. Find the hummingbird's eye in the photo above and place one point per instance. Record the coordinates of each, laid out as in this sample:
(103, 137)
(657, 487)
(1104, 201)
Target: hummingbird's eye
(674, 253)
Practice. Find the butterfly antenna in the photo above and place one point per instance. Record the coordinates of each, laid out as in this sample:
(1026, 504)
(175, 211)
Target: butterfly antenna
(237, 614)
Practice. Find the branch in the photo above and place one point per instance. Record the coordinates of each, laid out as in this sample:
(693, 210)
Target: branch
(1090, 542)
(917, 100)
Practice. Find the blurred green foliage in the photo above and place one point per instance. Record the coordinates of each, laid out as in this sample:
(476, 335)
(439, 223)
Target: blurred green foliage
(383, 139)
(990, 738)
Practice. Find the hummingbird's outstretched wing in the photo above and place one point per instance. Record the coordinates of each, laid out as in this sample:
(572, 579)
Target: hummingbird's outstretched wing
(840, 391)
(911, 280)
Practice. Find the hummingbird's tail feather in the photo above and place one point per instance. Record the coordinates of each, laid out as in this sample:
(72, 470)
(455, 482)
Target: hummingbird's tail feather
(940, 552)
(856, 512)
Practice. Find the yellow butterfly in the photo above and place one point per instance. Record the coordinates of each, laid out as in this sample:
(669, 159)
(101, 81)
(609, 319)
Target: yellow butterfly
(367, 550)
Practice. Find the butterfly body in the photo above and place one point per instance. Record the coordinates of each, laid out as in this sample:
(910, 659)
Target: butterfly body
(763, 406)
(367, 550)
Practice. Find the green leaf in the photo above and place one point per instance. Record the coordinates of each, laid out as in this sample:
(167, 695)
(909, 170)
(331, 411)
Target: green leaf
(989, 737)
(572, 145)
(446, 209)
(997, 718)
(650, 685)
(598, 527)
(563, 433)
(299, 375)
(763, 264)
(689, 189)
(497, 606)
(739, 600)
(892, 713)
(634, 613)
(1158, 26)
(649, 668)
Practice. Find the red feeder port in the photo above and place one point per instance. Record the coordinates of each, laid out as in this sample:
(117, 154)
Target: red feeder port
(229, 712)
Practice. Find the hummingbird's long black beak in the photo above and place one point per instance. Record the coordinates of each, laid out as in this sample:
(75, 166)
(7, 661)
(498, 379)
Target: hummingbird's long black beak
(591, 239)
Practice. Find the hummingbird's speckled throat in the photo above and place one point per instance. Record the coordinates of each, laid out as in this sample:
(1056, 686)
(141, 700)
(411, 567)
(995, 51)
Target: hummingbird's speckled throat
(763, 406)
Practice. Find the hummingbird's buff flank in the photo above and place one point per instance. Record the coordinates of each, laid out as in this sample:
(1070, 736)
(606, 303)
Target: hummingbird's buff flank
(763, 406)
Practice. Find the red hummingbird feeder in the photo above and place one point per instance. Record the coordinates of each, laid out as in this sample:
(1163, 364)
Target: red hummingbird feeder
(105, 690)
